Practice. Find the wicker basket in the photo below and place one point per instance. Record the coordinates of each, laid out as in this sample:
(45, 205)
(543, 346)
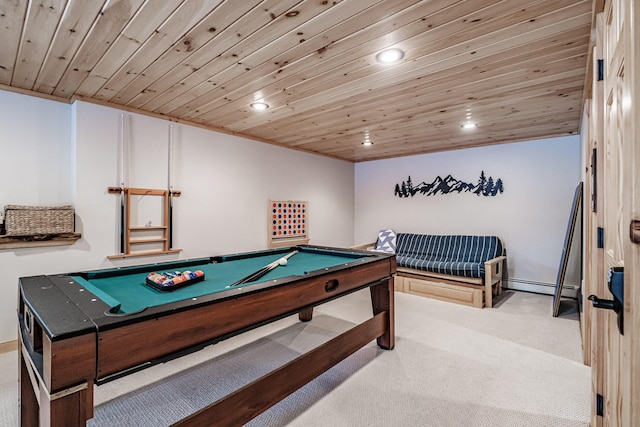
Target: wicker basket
(35, 220)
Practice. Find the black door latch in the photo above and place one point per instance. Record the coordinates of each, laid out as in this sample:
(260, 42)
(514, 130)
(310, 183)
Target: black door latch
(615, 280)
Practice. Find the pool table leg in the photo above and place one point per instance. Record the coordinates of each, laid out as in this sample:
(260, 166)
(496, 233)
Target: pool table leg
(70, 407)
(306, 314)
(382, 299)
(29, 407)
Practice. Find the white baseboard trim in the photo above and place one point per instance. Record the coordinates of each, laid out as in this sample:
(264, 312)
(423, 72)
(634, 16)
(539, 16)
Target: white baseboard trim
(568, 290)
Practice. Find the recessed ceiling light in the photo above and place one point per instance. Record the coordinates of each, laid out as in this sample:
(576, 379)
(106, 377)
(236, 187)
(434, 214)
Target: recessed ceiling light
(469, 125)
(367, 138)
(260, 106)
(390, 55)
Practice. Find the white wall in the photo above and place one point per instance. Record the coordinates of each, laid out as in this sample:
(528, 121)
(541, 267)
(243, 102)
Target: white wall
(57, 154)
(225, 181)
(35, 151)
(35, 148)
(531, 215)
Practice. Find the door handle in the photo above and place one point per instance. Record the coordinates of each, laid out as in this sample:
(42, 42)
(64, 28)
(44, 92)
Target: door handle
(602, 303)
(615, 280)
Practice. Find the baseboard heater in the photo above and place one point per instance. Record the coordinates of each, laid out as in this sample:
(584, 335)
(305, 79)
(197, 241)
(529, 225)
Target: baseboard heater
(568, 290)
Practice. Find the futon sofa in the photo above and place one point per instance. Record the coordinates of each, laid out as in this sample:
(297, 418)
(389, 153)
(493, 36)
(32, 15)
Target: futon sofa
(456, 268)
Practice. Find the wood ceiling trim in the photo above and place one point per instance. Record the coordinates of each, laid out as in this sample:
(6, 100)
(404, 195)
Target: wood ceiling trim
(266, 28)
(438, 90)
(425, 124)
(383, 104)
(205, 53)
(200, 81)
(12, 14)
(519, 65)
(490, 111)
(169, 37)
(149, 65)
(133, 37)
(337, 55)
(202, 97)
(39, 28)
(68, 37)
(109, 23)
(307, 95)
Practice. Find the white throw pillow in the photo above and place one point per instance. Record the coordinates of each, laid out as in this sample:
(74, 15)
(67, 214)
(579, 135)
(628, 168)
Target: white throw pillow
(386, 241)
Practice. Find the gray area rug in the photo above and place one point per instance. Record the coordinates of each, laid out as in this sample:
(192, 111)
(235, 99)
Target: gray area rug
(172, 398)
(513, 365)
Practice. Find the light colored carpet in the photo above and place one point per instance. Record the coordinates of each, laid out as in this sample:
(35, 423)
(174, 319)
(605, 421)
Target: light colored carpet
(514, 365)
(9, 389)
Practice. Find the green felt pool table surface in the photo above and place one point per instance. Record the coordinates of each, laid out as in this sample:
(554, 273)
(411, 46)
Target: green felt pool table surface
(130, 291)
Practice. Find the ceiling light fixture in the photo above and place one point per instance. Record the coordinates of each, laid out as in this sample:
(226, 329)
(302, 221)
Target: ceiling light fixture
(367, 139)
(469, 125)
(259, 106)
(390, 55)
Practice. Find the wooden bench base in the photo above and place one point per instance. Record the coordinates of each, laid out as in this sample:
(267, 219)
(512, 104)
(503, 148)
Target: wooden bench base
(443, 288)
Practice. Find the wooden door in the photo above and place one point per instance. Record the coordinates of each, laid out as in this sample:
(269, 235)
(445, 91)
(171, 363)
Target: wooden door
(592, 320)
(615, 359)
(631, 220)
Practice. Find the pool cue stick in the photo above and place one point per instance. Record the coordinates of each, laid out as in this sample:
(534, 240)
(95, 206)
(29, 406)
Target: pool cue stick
(170, 187)
(122, 185)
(264, 270)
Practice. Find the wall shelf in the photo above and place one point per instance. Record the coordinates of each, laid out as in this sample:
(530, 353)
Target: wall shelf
(17, 242)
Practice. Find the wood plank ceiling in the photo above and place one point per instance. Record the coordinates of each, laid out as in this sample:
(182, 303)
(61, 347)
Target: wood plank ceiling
(515, 67)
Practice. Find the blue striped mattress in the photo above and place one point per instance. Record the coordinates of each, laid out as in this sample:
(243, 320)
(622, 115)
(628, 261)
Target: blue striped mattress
(447, 254)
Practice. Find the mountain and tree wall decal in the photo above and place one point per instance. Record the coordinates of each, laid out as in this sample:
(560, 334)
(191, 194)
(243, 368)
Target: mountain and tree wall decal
(484, 187)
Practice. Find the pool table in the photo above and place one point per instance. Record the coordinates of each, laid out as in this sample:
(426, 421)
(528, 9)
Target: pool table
(84, 328)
